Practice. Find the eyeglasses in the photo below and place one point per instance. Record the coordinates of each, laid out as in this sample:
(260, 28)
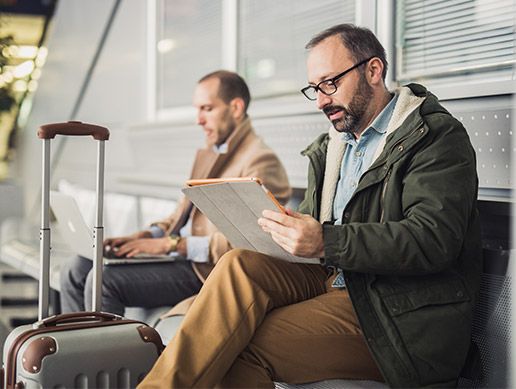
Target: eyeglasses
(328, 87)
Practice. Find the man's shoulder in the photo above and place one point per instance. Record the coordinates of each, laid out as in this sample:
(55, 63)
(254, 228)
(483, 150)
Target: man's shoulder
(431, 111)
(319, 143)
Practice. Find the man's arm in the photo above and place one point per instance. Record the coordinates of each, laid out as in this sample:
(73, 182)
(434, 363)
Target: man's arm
(436, 197)
(438, 193)
(267, 166)
(168, 223)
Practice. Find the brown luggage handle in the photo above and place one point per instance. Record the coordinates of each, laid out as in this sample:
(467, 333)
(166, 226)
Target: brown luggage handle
(76, 317)
(73, 128)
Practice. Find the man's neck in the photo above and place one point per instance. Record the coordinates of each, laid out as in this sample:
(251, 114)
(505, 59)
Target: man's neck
(377, 106)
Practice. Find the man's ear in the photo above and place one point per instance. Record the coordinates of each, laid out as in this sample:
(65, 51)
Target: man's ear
(237, 106)
(374, 71)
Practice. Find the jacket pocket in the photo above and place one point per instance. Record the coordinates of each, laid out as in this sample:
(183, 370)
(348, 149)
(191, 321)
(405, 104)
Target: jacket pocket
(450, 292)
(430, 320)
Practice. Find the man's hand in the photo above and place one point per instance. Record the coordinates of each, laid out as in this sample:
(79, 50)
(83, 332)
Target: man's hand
(112, 243)
(156, 246)
(297, 233)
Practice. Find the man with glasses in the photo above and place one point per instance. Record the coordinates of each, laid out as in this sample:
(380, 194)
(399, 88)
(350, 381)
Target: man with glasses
(233, 149)
(390, 209)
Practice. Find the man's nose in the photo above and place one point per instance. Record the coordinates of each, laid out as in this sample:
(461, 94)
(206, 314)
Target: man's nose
(200, 119)
(322, 100)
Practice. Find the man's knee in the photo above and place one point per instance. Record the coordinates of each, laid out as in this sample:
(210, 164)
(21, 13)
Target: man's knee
(75, 271)
(244, 261)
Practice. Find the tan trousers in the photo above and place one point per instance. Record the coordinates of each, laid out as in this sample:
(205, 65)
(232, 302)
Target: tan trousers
(257, 320)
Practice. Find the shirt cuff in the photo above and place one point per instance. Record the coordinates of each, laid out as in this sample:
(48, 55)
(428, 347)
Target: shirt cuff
(156, 232)
(197, 248)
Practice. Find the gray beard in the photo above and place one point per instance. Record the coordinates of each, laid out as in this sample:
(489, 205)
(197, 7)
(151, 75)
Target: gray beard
(355, 112)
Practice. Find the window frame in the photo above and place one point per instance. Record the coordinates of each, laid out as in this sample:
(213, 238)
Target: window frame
(381, 21)
(446, 90)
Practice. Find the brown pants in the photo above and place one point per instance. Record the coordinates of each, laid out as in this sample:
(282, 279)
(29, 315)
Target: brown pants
(257, 320)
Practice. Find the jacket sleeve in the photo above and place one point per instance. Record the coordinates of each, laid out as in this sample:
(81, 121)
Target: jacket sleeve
(168, 223)
(267, 166)
(429, 207)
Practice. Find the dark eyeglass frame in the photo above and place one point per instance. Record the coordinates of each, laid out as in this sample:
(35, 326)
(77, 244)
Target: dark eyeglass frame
(331, 81)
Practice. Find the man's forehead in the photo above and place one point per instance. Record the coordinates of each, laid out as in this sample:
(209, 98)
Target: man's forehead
(326, 59)
(206, 92)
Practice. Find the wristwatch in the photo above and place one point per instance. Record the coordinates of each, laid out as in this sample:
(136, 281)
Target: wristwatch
(174, 241)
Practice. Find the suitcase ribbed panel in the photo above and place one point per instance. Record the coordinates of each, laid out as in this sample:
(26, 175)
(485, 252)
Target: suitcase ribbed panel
(108, 354)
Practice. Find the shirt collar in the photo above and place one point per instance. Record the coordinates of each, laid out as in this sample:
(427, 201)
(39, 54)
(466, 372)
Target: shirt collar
(222, 149)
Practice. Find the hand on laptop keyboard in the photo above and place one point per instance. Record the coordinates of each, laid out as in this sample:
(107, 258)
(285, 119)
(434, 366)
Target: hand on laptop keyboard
(110, 252)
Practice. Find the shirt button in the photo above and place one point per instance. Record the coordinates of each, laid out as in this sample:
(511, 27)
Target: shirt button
(358, 153)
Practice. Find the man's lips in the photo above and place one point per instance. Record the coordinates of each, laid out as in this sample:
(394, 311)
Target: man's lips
(334, 113)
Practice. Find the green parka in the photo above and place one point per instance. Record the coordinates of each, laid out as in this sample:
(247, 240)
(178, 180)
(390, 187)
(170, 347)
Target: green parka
(410, 243)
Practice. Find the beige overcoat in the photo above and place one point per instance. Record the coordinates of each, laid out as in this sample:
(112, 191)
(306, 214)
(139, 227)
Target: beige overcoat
(247, 156)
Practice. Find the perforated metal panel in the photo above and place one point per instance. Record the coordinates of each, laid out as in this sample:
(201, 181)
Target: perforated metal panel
(492, 328)
(491, 134)
(288, 136)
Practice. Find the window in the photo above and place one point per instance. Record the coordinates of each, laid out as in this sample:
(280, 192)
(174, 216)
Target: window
(272, 35)
(455, 40)
(189, 39)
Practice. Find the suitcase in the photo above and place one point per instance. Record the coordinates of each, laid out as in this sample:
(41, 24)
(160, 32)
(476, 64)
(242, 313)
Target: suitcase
(82, 349)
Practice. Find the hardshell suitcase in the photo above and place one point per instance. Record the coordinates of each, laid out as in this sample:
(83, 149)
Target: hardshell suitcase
(83, 349)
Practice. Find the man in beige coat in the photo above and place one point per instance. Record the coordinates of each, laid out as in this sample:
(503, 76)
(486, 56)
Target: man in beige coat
(232, 150)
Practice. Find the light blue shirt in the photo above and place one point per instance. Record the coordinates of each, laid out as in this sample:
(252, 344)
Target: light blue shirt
(358, 157)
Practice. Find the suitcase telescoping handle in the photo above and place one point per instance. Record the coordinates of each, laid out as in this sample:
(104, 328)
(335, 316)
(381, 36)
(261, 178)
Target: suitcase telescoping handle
(73, 128)
(46, 133)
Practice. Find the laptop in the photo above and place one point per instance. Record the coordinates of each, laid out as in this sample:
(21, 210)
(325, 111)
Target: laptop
(79, 236)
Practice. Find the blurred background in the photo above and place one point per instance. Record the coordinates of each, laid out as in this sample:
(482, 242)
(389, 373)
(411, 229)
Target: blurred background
(132, 65)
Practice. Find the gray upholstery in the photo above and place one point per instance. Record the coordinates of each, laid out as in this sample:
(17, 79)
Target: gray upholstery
(334, 384)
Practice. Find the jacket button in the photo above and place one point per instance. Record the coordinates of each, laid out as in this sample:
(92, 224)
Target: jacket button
(460, 293)
(347, 215)
(400, 148)
(422, 130)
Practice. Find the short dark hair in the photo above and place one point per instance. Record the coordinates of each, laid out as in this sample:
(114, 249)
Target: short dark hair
(360, 41)
(231, 86)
